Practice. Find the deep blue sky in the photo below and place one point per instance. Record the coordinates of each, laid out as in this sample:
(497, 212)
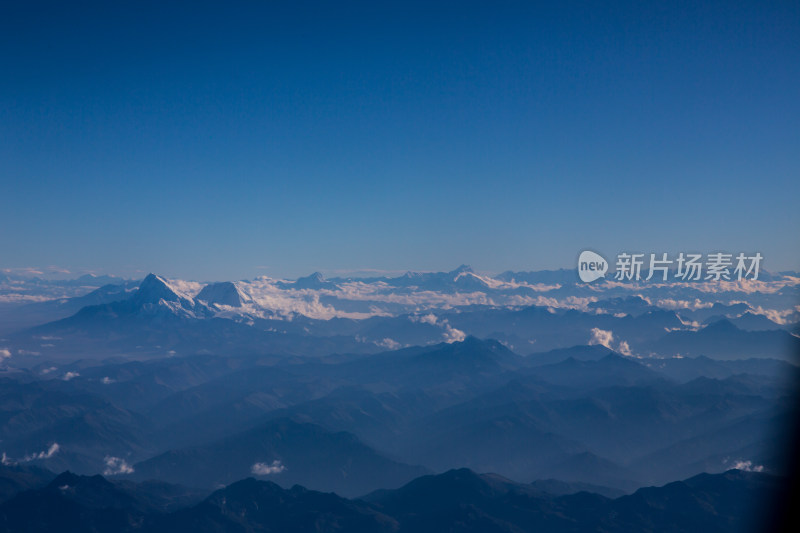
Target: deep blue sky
(228, 140)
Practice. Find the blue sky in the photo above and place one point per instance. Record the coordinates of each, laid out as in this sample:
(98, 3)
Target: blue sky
(221, 142)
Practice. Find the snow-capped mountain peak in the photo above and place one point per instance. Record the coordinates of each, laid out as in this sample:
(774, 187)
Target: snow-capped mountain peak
(156, 292)
(223, 293)
(154, 289)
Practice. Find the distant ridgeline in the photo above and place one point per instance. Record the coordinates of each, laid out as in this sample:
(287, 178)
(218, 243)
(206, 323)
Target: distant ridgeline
(455, 500)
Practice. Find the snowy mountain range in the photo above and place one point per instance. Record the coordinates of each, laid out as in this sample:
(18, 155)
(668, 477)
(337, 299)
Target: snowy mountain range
(543, 311)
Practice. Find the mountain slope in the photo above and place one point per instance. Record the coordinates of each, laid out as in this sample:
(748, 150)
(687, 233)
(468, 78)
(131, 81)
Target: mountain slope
(291, 452)
(723, 340)
(251, 505)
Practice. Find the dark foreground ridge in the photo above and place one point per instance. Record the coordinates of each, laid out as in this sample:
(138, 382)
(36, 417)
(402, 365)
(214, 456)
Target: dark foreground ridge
(458, 500)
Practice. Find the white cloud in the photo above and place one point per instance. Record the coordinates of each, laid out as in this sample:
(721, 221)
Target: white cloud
(24, 271)
(24, 298)
(675, 305)
(624, 348)
(107, 380)
(777, 316)
(264, 469)
(452, 334)
(116, 465)
(389, 344)
(44, 454)
(747, 286)
(4, 353)
(747, 466)
(51, 451)
(430, 318)
(70, 375)
(602, 337)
